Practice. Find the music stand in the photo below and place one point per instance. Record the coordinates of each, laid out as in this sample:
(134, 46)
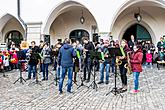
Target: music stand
(55, 81)
(115, 52)
(94, 55)
(20, 78)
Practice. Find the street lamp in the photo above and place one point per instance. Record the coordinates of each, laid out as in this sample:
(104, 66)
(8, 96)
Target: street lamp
(138, 16)
(82, 19)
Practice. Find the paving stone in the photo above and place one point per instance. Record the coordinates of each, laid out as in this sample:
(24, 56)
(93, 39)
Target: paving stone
(31, 96)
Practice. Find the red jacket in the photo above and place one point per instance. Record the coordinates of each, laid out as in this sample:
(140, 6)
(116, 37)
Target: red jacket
(149, 57)
(136, 61)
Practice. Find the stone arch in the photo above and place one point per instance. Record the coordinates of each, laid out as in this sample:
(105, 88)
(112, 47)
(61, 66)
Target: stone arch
(125, 10)
(4, 21)
(128, 3)
(144, 24)
(59, 9)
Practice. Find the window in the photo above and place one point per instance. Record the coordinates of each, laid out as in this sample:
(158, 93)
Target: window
(78, 34)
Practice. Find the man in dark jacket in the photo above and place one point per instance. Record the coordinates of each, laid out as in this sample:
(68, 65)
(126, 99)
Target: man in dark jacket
(131, 43)
(160, 44)
(88, 46)
(65, 59)
(33, 60)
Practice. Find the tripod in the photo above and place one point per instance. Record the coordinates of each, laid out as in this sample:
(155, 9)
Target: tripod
(36, 81)
(20, 78)
(55, 82)
(94, 80)
(82, 83)
(114, 90)
(115, 52)
(94, 55)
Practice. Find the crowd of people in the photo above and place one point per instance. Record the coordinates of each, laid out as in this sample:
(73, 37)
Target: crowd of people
(72, 56)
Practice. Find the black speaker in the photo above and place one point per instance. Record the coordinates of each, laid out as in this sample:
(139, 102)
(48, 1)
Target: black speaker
(95, 37)
(47, 38)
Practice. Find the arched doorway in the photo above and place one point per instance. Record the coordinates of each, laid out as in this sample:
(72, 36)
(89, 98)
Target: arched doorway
(14, 36)
(66, 17)
(9, 23)
(139, 32)
(151, 13)
(78, 34)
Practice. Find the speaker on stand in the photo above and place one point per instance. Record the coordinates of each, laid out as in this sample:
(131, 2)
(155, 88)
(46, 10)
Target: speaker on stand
(47, 38)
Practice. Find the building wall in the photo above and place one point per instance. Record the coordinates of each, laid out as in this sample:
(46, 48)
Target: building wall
(105, 13)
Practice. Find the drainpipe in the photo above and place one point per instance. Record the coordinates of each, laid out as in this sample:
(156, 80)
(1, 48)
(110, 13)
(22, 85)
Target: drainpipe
(19, 17)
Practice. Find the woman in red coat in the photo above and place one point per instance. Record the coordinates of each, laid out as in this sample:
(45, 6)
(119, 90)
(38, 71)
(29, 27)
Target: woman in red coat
(136, 65)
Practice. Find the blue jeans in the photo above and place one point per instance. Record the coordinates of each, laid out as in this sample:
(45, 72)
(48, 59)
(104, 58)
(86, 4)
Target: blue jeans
(45, 68)
(62, 77)
(136, 80)
(102, 66)
(32, 68)
(148, 63)
(58, 70)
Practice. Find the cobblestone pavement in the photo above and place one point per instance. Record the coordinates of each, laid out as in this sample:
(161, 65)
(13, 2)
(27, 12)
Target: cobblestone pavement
(29, 96)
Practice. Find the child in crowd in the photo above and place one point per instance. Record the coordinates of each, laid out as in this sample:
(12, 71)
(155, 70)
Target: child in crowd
(149, 59)
(136, 65)
(6, 60)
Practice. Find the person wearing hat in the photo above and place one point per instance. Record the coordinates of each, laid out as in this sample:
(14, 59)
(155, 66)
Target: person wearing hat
(88, 46)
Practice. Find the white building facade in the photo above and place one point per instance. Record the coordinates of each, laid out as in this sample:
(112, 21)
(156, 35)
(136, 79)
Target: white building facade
(60, 19)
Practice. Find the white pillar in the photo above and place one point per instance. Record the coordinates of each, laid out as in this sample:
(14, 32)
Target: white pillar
(34, 32)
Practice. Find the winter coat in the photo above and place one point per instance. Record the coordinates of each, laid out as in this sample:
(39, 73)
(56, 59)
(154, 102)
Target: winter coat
(149, 57)
(136, 61)
(65, 56)
(46, 54)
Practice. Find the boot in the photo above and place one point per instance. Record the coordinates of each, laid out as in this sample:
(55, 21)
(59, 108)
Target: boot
(74, 77)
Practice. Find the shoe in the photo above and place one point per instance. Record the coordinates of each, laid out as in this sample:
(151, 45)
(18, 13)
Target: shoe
(61, 92)
(69, 91)
(28, 78)
(43, 79)
(74, 81)
(46, 79)
(124, 89)
(106, 82)
(87, 81)
(84, 79)
(134, 91)
(100, 82)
